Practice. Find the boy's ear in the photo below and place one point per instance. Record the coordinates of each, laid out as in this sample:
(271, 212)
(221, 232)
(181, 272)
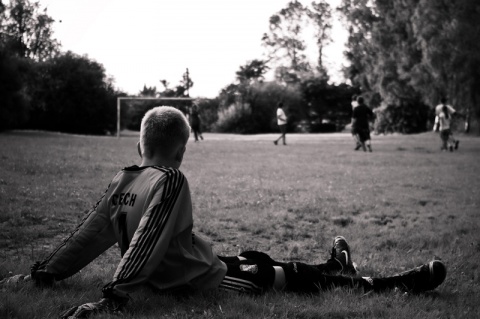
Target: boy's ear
(179, 154)
(139, 149)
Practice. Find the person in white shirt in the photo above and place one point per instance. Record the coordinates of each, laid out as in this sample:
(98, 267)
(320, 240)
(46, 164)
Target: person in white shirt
(282, 124)
(443, 118)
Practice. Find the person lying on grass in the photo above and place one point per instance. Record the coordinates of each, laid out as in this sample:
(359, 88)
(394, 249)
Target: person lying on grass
(147, 211)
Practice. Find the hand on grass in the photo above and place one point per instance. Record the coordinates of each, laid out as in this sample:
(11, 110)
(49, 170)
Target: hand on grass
(106, 305)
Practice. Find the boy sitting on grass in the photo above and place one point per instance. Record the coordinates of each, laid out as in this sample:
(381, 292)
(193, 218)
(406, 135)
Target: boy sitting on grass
(147, 210)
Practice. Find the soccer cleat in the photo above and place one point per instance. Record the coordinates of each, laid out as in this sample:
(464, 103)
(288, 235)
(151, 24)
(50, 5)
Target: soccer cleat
(275, 142)
(422, 278)
(341, 253)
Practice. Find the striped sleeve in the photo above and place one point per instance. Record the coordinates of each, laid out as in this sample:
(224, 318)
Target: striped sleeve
(151, 239)
(92, 236)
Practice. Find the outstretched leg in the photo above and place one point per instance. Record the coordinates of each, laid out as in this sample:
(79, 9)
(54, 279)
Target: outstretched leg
(340, 261)
(304, 278)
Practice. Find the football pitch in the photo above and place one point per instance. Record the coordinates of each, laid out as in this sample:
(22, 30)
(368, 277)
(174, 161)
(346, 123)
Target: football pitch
(400, 206)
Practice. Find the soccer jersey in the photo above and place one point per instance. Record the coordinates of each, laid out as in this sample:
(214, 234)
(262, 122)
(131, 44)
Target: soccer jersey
(148, 212)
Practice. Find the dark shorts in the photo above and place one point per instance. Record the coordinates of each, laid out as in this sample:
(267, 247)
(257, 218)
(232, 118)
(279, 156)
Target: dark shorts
(248, 276)
(362, 133)
(445, 134)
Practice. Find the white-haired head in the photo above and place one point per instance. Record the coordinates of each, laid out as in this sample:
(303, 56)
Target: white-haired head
(163, 129)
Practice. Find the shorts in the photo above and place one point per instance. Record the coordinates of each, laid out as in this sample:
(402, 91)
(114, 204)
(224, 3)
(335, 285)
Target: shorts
(248, 276)
(445, 134)
(363, 134)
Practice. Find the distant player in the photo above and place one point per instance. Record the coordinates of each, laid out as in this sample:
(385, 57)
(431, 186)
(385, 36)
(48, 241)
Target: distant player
(361, 117)
(282, 123)
(147, 211)
(443, 118)
(196, 123)
(354, 103)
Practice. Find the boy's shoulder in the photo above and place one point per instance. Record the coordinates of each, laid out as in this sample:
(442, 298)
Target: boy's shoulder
(154, 170)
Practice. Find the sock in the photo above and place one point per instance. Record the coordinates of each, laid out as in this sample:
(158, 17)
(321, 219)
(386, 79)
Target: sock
(308, 279)
(229, 260)
(331, 267)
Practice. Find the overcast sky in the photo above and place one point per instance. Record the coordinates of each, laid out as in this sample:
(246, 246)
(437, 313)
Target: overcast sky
(143, 41)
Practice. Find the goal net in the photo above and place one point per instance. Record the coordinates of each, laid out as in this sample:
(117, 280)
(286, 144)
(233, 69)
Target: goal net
(130, 110)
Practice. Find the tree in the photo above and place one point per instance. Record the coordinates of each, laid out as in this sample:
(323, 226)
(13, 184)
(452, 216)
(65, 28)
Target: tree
(72, 94)
(167, 92)
(30, 30)
(148, 91)
(252, 71)
(13, 100)
(181, 90)
(447, 33)
(411, 52)
(321, 16)
(249, 75)
(326, 103)
(185, 85)
(234, 118)
(285, 43)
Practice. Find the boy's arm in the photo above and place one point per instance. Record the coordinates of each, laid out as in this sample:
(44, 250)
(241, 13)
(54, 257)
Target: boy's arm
(88, 240)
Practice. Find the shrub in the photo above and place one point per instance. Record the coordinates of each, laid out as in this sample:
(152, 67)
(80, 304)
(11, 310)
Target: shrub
(407, 118)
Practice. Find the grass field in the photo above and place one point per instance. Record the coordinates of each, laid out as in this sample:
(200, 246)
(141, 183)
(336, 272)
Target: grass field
(398, 207)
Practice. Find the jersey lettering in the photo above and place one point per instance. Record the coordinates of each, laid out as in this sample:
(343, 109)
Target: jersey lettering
(125, 199)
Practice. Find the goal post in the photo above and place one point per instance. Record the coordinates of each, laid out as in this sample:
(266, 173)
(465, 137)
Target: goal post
(120, 99)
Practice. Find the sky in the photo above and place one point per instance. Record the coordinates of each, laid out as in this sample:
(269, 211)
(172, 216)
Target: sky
(144, 41)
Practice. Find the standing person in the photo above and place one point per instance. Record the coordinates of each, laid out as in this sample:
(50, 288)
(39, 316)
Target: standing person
(147, 211)
(282, 123)
(361, 117)
(443, 117)
(196, 122)
(358, 145)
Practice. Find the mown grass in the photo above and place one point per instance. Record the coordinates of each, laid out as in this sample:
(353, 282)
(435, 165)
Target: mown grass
(398, 207)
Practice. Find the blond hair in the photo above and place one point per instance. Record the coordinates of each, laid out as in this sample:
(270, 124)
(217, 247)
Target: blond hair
(163, 128)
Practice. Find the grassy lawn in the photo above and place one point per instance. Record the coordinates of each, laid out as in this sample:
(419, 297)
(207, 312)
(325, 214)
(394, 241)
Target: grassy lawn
(398, 207)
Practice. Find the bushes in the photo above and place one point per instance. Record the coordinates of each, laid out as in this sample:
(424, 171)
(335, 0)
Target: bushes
(235, 119)
(67, 93)
(407, 118)
(257, 114)
(73, 94)
(14, 102)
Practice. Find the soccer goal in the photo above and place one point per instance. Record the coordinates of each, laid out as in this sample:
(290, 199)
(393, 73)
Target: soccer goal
(140, 105)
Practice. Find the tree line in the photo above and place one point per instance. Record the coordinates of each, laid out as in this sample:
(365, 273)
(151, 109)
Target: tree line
(404, 55)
